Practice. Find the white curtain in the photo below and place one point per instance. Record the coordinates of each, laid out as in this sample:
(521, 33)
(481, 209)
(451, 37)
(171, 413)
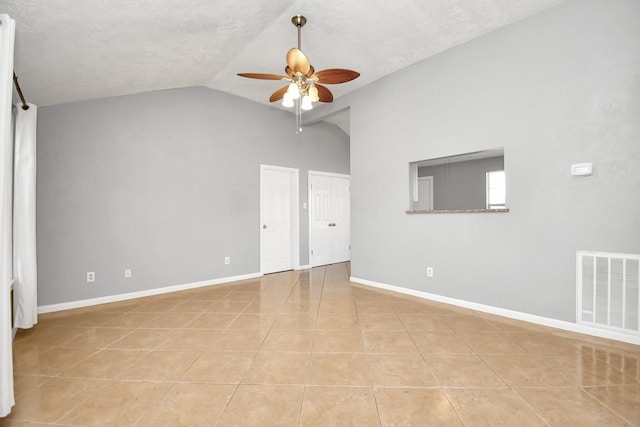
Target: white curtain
(7, 35)
(25, 271)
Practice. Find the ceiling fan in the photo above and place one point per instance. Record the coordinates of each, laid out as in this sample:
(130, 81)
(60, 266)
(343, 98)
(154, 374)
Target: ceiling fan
(304, 82)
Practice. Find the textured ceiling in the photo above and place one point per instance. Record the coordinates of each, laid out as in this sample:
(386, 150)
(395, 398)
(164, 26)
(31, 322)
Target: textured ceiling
(72, 50)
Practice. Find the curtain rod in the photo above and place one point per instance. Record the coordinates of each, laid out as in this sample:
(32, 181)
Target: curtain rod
(15, 82)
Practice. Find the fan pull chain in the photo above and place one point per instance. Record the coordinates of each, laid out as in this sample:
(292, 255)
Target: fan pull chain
(299, 100)
(298, 115)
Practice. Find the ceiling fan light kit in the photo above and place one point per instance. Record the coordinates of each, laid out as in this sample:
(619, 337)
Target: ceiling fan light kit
(304, 86)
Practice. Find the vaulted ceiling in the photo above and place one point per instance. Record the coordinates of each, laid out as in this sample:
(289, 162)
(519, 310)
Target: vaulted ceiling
(72, 50)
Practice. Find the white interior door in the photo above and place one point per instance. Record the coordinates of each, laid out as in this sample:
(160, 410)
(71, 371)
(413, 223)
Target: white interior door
(425, 193)
(279, 236)
(319, 211)
(329, 218)
(341, 219)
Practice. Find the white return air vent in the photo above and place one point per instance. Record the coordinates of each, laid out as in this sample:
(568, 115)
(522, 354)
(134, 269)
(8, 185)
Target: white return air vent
(607, 293)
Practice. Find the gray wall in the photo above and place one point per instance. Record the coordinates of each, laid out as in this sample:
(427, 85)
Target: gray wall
(557, 88)
(165, 183)
(461, 185)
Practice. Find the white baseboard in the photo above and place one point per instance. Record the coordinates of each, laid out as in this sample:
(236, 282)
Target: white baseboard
(149, 292)
(303, 267)
(531, 318)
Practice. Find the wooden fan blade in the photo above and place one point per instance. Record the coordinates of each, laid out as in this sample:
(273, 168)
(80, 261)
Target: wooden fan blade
(279, 94)
(324, 94)
(336, 75)
(297, 61)
(288, 71)
(262, 76)
(310, 72)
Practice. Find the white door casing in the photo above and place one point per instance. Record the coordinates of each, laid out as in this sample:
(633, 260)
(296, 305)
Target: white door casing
(329, 218)
(279, 219)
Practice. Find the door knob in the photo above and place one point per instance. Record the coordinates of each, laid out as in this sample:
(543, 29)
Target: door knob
(264, 226)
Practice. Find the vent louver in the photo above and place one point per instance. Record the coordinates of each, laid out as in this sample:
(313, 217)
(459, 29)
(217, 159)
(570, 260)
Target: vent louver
(608, 291)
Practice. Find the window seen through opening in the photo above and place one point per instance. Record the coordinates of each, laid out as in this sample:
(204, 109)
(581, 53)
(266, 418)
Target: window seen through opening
(496, 190)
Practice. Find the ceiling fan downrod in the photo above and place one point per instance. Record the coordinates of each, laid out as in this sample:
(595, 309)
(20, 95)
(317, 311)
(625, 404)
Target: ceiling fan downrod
(299, 22)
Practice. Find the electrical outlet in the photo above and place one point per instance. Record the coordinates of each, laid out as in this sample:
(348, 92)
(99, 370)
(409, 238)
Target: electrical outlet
(91, 276)
(127, 273)
(429, 271)
(227, 260)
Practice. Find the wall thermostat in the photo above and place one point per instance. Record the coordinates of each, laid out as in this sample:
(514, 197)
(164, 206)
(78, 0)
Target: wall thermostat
(581, 169)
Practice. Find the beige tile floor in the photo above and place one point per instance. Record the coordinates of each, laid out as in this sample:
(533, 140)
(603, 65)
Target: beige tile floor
(312, 349)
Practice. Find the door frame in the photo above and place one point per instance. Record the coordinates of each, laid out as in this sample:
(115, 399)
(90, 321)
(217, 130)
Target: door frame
(309, 203)
(295, 213)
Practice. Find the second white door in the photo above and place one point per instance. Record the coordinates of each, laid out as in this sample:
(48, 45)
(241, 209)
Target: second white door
(329, 218)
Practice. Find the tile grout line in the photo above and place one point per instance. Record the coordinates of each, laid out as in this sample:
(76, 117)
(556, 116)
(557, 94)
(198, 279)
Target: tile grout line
(604, 404)
(313, 342)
